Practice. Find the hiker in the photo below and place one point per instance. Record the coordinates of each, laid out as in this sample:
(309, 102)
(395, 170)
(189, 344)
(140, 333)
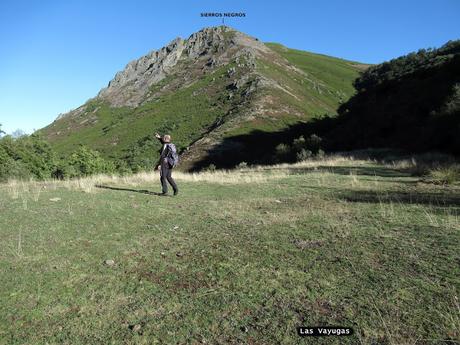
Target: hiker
(168, 160)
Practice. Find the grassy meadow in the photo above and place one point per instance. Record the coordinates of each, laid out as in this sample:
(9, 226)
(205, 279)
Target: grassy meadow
(238, 257)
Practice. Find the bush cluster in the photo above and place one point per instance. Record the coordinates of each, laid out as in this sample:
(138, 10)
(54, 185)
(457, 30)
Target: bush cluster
(300, 149)
(30, 156)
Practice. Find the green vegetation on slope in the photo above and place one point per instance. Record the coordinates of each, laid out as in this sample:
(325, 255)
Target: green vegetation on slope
(332, 74)
(186, 114)
(244, 257)
(318, 86)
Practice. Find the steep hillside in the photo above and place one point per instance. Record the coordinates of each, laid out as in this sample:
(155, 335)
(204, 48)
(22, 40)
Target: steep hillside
(217, 84)
(410, 103)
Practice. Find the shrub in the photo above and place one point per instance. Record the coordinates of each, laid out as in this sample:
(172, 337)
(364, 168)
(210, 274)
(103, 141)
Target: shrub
(303, 155)
(299, 144)
(300, 149)
(320, 154)
(142, 155)
(282, 152)
(25, 157)
(452, 105)
(29, 156)
(85, 161)
(211, 167)
(447, 174)
(14, 169)
(313, 143)
(242, 165)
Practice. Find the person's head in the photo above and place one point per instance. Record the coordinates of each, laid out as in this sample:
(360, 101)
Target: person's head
(167, 138)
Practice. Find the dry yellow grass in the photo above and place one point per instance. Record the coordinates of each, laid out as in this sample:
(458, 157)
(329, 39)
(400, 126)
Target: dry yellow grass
(254, 174)
(321, 170)
(88, 184)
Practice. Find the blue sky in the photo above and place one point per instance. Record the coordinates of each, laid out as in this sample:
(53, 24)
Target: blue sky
(55, 55)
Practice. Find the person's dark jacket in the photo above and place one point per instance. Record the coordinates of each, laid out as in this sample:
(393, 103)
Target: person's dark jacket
(163, 151)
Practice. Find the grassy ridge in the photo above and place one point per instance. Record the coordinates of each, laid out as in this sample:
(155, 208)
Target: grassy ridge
(244, 257)
(332, 73)
(323, 83)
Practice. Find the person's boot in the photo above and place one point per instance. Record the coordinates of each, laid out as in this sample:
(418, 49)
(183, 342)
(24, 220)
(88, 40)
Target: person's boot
(176, 192)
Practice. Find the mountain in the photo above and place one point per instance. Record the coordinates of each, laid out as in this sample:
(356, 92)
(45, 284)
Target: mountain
(206, 91)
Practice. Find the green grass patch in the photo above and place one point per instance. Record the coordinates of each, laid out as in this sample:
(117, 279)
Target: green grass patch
(334, 72)
(243, 257)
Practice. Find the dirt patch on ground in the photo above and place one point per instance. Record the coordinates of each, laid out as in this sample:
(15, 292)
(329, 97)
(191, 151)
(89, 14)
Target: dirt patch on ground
(175, 280)
(306, 244)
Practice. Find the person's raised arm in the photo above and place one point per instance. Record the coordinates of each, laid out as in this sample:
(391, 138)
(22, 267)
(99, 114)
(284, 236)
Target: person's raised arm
(159, 137)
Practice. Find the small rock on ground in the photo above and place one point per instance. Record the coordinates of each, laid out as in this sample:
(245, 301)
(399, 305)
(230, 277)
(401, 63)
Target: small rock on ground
(109, 262)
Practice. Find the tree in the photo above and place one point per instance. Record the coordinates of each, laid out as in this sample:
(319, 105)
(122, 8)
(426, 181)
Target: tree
(25, 157)
(142, 155)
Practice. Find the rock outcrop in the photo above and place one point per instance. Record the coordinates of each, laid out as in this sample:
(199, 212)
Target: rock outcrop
(212, 47)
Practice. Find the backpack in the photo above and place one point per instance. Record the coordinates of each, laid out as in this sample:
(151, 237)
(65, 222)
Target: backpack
(172, 156)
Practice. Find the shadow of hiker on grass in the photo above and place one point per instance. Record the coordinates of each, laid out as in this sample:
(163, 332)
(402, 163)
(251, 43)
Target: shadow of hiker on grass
(356, 170)
(142, 191)
(450, 200)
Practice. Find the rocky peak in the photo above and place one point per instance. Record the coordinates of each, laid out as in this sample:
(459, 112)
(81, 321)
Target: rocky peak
(139, 74)
(216, 44)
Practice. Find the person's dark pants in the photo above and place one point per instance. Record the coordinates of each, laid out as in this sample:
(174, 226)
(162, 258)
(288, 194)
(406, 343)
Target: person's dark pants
(165, 176)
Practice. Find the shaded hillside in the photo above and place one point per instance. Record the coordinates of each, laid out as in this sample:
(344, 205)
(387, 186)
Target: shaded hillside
(410, 103)
(407, 104)
(217, 84)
